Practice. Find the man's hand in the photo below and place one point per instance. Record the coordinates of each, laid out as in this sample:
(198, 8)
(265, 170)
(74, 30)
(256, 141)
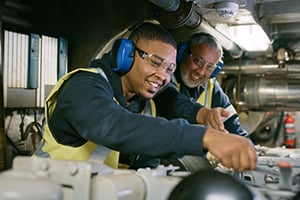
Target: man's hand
(212, 117)
(233, 151)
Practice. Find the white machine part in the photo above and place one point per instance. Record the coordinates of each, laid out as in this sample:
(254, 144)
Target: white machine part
(277, 173)
(33, 178)
(276, 177)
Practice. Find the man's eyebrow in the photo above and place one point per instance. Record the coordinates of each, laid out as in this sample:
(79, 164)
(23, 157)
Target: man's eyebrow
(204, 59)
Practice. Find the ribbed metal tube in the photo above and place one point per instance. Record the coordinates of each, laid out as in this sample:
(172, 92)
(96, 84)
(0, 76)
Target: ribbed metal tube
(267, 93)
(260, 67)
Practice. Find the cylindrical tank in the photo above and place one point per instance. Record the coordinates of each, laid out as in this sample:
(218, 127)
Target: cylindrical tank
(18, 185)
(264, 93)
(289, 135)
(123, 185)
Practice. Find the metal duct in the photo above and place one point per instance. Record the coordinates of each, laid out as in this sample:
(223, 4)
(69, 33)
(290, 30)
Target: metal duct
(269, 93)
(15, 13)
(168, 5)
(15, 21)
(234, 50)
(186, 15)
(261, 67)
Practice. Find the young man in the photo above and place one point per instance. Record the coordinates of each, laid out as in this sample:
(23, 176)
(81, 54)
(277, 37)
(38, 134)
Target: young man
(194, 77)
(98, 109)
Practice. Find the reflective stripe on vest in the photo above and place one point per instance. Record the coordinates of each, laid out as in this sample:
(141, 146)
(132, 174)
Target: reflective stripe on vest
(205, 97)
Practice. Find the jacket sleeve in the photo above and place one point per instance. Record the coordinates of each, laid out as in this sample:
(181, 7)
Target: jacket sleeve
(86, 110)
(220, 99)
(171, 104)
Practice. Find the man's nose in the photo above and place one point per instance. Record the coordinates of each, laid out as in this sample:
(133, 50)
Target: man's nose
(163, 75)
(202, 69)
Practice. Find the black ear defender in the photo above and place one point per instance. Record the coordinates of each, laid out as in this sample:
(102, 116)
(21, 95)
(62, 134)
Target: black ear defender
(122, 55)
(182, 49)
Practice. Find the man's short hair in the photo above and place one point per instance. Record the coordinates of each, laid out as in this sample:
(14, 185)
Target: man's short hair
(151, 31)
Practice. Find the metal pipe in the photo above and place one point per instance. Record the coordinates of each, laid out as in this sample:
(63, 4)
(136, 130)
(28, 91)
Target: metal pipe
(2, 112)
(226, 43)
(13, 13)
(15, 21)
(168, 5)
(17, 6)
(260, 67)
(185, 15)
(194, 21)
(275, 92)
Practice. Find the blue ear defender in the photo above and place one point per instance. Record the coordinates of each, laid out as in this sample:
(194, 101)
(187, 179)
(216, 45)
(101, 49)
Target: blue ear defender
(217, 70)
(181, 50)
(122, 55)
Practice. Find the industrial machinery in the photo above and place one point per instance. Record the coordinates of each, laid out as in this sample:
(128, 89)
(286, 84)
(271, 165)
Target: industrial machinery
(262, 85)
(276, 177)
(33, 178)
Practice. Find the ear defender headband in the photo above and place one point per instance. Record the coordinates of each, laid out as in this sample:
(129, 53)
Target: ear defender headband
(184, 46)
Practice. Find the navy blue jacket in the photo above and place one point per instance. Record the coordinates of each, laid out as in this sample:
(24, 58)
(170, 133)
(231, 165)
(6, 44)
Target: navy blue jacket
(86, 110)
(171, 104)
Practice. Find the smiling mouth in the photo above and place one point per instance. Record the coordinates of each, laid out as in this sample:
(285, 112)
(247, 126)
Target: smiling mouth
(195, 78)
(154, 85)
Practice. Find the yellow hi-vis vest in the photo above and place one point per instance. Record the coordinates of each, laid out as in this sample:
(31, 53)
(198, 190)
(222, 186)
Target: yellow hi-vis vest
(62, 152)
(205, 98)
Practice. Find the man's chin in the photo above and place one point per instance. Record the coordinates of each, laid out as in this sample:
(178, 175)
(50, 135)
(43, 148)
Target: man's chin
(149, 95)
(193, 85)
